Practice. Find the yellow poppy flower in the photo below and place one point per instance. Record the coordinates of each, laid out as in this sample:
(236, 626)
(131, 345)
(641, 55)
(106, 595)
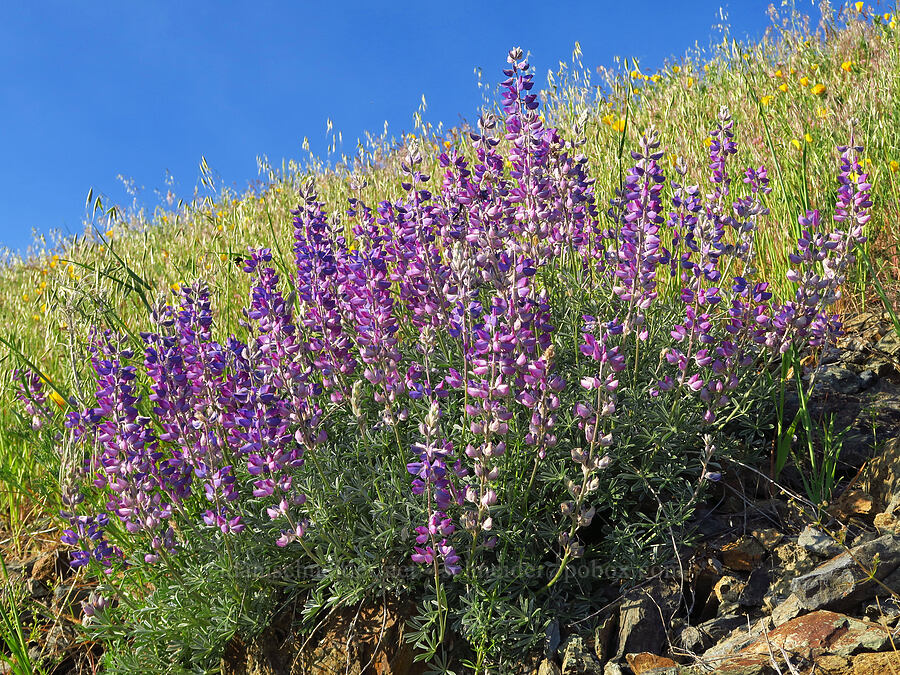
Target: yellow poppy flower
(818, 89)
(57, 399)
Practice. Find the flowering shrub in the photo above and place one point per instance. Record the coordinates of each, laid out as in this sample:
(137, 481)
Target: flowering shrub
(487, 379)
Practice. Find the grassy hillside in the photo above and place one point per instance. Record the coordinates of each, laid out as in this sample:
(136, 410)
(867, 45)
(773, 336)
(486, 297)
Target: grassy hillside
(793, 98)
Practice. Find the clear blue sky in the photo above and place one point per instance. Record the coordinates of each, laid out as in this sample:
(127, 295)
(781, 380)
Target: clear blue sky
(90, 90)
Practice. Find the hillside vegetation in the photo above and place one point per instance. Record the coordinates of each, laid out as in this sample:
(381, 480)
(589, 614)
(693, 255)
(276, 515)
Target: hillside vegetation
(559, 324)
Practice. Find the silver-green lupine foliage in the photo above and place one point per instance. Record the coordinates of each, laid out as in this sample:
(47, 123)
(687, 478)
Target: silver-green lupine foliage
(482, 402)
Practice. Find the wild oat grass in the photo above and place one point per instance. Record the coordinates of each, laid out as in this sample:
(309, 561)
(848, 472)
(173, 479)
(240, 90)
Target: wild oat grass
(793, 98)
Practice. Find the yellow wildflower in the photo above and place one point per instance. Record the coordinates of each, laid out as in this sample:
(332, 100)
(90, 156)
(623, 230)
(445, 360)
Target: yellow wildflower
(793, 72)
(778, 73)
(814, 67)
(619, 125)
(109, 234)
(766, 100)
(654, 77)
(447, 145)
(847, 66)
(690, 82)
(804, 81)
(818, 89)
(822, 113)
(859, 7)
(782, 87)
(894, 166)
(807, 138)
(608, 119)
(57, 399)
(708, 141)
(795, 143)
(676, 69)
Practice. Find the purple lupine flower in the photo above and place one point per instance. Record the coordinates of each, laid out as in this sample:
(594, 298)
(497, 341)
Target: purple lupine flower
(638, 244)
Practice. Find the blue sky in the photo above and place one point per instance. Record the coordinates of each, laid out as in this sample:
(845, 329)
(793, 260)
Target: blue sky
(92, 90)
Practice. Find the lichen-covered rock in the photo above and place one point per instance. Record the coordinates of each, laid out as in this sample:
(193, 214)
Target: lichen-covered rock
(577, 658)
(643, 616)
(743, 555)
(820, 633)
(843, 582)
(818, 543)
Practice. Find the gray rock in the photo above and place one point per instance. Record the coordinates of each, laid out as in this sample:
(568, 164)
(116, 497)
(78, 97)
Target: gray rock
(548, 667)
(59, 639)
(720, 626)
(788, 561)
(864, 537)
(787, 610)
(889, 344)
(603, 643)
(641, 627)
(868, 378)
(818, 543)
(578, 659)
(841, 583)
(833, 378)
(884, 610)
(693, 640)
(755, 590)
(35, 588)
(738, 639)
